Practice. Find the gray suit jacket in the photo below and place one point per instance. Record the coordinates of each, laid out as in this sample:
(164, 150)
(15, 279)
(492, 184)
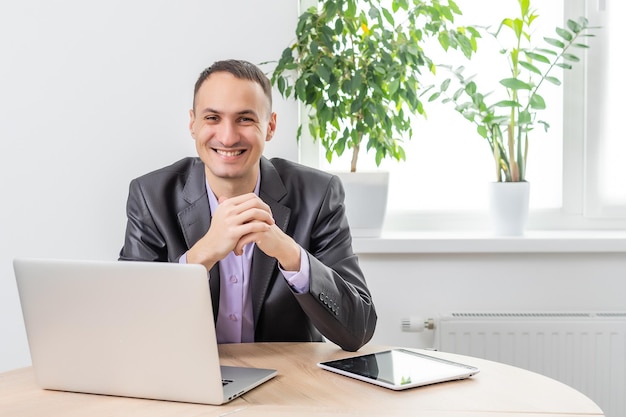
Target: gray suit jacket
(168, 212)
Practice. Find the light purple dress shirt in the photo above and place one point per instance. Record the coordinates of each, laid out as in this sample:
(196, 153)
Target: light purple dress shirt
(235, 321)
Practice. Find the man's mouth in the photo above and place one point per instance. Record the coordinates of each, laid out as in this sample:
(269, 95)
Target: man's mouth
(229, 153)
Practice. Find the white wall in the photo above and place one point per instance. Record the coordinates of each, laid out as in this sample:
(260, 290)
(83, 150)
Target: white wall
(95, 93)
(424, 285)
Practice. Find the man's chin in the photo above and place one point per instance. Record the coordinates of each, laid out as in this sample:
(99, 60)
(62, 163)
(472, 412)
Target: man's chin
(226, 173)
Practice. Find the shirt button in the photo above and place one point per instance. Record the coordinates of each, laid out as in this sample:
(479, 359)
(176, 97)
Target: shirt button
(233, 279)
(232, 317)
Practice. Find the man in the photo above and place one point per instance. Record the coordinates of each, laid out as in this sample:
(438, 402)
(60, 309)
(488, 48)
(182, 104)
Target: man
(272, 233)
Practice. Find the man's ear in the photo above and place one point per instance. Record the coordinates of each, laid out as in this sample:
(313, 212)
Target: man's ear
(192, 120)
(271, 127)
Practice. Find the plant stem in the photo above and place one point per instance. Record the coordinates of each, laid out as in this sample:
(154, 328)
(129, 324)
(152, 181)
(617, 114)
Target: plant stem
(355, 153)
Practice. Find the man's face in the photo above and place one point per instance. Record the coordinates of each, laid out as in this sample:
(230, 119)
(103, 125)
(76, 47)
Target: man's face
(230, 122)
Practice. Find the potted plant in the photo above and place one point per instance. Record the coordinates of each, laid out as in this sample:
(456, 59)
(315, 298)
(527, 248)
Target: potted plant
(508, 119)
(356, 65)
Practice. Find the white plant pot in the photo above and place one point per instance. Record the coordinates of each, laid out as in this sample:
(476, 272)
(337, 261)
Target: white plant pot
(508, 204)
(366, 201)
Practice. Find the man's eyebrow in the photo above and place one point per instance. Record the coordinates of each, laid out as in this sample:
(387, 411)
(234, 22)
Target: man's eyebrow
(240, 113)
(247, 112)
(209, 110)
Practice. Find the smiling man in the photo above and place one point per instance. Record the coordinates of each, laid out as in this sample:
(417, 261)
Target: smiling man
(272, 234)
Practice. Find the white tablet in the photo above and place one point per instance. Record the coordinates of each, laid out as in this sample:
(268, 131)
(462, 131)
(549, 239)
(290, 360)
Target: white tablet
(399, 369)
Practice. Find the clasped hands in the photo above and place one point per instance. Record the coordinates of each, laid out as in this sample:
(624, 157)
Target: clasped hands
(241, 220)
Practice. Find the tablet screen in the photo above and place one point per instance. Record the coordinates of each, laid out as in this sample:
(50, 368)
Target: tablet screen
(400, 368)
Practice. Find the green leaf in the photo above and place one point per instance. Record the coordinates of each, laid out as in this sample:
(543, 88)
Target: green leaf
(299, 133)
(524, 118)
(389, 17)
(537, 102)
(324, 73)
(507, 103)
(515, 84)
(530, 67)
(470, 88)
(525, 5)
(507, 22)
(447, 13)
(434, 96)
(281, 85)
(553, 80)
(339, 27)
(574, 26)
(394, 85)
(330, 7)
(518, 27)
(537, 57)
(301, 93)
(374, 13)
(351, 11)
(445, 84)
(565, 34)
(368, 118)
(555, 42)
(302, 22)
(571, 57)
(333, 88)
(546, 51)
(444, 40)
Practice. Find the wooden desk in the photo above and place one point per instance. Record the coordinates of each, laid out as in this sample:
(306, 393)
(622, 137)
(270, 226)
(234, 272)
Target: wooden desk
(303, 389)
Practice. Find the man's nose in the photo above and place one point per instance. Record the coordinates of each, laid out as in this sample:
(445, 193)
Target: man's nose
(228, 134)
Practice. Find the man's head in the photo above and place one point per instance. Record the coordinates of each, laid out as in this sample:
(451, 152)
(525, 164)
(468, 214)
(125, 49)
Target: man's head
(230, 122)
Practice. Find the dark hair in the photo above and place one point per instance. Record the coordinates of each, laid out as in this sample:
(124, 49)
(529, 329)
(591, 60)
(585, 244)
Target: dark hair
(243, 70)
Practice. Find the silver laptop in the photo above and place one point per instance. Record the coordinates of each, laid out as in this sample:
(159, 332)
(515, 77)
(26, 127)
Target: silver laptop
(132, 329)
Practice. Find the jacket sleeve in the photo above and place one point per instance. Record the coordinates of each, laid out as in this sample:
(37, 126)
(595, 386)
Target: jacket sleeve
(338, 302)
(142, 241)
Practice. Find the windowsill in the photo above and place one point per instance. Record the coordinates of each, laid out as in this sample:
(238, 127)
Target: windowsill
(478, 242)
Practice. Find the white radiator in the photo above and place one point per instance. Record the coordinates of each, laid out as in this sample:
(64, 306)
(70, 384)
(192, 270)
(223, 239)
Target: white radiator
(586, 351)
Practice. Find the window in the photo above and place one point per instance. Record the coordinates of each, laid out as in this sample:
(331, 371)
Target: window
(605, 145)
(574, 168)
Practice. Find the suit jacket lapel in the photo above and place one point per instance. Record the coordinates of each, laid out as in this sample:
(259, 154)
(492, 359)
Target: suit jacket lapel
(272, 190)
(195, 220)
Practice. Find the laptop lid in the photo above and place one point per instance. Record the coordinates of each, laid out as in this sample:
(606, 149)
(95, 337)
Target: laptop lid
(133, 329)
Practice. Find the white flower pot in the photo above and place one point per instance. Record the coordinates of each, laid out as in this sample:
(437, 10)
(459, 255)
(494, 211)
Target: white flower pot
(508, 204)
(366, 201)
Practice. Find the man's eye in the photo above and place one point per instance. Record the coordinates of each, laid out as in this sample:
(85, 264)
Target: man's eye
(210, 117)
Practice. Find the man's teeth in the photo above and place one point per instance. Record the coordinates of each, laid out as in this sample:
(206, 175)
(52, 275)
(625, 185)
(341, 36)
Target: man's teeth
(228, 153)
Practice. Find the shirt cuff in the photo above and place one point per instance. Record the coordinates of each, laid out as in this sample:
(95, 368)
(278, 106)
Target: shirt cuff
(183, 258)
(299, 280)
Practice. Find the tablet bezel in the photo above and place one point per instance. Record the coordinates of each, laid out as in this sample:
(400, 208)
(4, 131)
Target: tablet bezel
(448, 371)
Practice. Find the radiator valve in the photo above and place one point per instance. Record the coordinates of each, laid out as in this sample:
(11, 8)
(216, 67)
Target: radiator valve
(417, 324)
